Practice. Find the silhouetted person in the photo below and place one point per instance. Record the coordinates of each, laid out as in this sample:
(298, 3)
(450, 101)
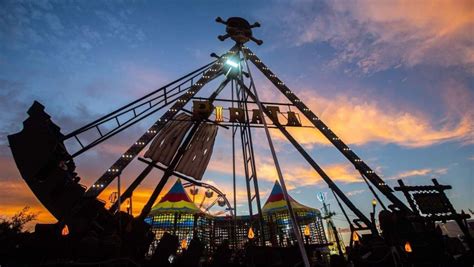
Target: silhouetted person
(338, 261)
(193, 254)
(167, 246)
(223, 254)
(89, 247)
(388, 225)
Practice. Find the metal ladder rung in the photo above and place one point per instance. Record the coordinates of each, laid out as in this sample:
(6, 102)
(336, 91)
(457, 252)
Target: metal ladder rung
(253, 197)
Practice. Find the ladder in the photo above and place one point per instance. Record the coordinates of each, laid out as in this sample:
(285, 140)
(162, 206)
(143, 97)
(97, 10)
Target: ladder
(251, 179)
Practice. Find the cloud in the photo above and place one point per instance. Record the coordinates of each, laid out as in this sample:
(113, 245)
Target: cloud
(295, 176)
(15, 194)
(411, 173)
(355, 192)
(28, 27)
(419, 172)
(357, 120)
(375, 36)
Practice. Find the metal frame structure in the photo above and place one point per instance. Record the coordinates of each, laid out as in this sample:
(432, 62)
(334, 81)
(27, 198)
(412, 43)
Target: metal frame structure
(250, 169)
(179, 92)
(430, 203)
(212, 189)
(333, 235)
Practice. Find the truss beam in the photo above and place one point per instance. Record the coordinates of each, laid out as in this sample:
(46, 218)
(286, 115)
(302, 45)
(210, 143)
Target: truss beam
(168, 172)
(248, 154)
(182, 149)
(249, 102)
(135, 111)
(177, 174)
(294, 222)
(313, 164)
(324, 129)
(138, 146)
(129, 191)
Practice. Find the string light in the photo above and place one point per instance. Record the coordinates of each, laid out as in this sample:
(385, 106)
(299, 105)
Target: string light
(219, 115)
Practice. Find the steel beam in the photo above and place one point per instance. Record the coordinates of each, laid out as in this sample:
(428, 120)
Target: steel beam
(324, 129)
(313, 164)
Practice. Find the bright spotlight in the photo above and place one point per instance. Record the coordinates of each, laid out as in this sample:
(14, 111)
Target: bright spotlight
(232, 63)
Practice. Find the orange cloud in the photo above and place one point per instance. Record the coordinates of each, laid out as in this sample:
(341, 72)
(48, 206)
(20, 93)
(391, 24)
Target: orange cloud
(304, 175)
(297, 175)
(15, 196)
(359, 121)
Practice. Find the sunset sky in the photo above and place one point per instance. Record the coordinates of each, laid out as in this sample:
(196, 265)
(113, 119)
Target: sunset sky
(393, 79)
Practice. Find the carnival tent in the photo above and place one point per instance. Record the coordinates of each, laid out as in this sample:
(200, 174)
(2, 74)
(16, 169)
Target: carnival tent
(175, 201)
(276, 202)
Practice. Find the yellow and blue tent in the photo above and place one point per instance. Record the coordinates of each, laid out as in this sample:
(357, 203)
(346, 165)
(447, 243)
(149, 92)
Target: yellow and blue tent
(175, 201)
(276, 202)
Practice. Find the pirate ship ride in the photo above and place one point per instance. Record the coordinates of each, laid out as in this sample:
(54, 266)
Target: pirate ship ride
(180, 144)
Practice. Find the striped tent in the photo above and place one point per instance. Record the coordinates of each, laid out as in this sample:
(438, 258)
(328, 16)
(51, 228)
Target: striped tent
(276, 202)
(175, 201)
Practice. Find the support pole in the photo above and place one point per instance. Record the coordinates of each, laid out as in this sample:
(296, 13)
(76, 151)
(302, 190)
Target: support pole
(128, 193)
(234, 130)
(336, 235)
(182, 149)
(248, 156)
(323, 128)
(372, 190)
(343, 210)
(296, 228)
(131, 203)
(313, 164)
(119, 203)
(169, 171)
(330, 224)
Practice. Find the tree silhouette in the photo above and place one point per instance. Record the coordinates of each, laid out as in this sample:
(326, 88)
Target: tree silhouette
(18, 221)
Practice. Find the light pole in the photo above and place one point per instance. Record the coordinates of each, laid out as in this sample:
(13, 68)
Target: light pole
(372, 215)
(330, 224)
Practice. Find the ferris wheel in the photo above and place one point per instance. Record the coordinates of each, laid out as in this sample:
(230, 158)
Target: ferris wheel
(209, 199)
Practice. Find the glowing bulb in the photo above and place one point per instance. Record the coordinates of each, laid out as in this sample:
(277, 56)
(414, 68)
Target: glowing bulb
(232, 63)
(219, 115)
(184, 244)
(251, 234)
(306, 230)
(408, 248)
(374, 202)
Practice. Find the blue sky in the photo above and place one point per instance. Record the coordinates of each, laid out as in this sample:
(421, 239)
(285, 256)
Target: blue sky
(393, 80)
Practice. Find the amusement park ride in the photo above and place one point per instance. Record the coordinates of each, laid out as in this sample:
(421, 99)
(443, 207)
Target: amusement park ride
(48, 167)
